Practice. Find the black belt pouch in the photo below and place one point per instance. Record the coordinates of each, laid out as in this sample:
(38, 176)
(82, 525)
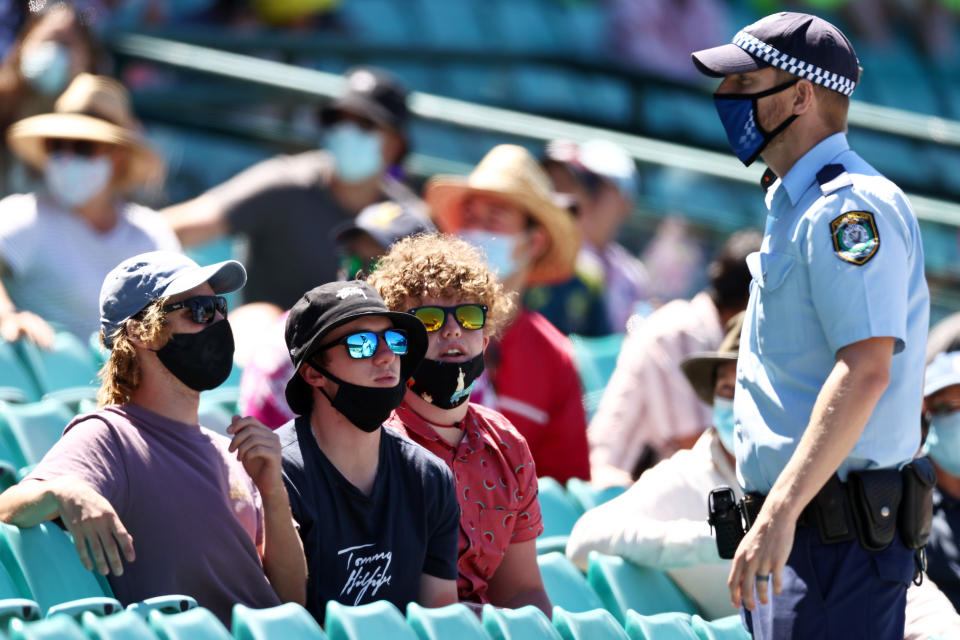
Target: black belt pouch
(916, 508)
(875, 497)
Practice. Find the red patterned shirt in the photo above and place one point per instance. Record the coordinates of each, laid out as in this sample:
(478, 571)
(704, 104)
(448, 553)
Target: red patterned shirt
(496, 487)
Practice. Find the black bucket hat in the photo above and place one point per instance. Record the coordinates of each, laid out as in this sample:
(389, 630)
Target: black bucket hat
(331, 305)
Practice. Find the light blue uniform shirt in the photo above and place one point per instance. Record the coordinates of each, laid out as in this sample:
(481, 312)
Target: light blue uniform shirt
(840, 263)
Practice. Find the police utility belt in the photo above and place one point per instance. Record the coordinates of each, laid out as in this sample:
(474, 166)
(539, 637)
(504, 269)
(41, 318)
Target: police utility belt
(871, 506)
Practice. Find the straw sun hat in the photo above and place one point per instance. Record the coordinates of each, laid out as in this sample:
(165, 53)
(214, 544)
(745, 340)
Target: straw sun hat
(701, 367)
(511, 172)
(93, 108)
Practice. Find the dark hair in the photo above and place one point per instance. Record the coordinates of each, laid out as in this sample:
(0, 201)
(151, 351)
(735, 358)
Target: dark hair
(729, 276)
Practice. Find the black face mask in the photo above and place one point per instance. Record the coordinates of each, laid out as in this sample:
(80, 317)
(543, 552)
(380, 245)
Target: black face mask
(365, 407)
(446, 385)
(201, 360)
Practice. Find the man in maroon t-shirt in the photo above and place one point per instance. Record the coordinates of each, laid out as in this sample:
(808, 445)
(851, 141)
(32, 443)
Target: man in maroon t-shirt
(209, 516)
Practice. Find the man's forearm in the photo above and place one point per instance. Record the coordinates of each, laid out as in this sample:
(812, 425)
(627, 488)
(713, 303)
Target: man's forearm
(29, 503)
(283, 560)
(843, 407)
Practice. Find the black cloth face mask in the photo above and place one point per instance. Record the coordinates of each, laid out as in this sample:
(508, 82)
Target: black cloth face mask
(202, 360)
(365, 407)
(446, 385)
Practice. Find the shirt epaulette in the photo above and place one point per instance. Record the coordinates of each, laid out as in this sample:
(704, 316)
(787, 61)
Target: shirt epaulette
(833, 177)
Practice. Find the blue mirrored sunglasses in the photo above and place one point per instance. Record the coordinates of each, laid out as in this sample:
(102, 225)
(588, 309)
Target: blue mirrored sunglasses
(363, 344)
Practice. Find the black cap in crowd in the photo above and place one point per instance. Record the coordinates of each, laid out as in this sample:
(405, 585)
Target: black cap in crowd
(798, 43)
(323, 309)
(373, 94)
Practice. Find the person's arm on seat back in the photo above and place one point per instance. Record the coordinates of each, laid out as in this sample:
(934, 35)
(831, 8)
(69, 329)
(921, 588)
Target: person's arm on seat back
(284, 564)
(517, 581)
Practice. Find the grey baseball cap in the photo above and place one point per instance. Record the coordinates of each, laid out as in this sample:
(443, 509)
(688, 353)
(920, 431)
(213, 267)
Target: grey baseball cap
(385, 222)
(136, 282)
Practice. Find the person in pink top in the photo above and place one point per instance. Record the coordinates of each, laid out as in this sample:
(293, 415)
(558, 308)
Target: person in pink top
(443, 281)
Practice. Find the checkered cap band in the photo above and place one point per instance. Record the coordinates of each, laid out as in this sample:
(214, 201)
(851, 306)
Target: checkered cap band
(788, 63)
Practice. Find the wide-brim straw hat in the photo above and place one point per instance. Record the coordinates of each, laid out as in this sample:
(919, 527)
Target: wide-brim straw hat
(700, 368)
(512, 173)
(93, 108)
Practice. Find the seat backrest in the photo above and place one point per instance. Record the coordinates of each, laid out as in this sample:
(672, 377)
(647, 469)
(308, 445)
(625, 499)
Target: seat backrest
(586, 496)
(125, 625)
(729, 628)
(14, 375)
(194, 624)
(622, 585)
(44, 565)
(67, 364)
(525, 623)
(596, 359)
(558, 511)
(445, 623)
(565, 585)
(661, 626)
(378, 619)
(289, 621)
(35, 427)
(597, 624)
(53, 628)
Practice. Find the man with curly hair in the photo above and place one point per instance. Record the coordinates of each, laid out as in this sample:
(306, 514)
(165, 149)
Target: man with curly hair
(445, 283)
(209, 515)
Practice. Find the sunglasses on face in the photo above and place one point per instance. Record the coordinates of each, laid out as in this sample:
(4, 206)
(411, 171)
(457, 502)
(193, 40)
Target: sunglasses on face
(364, 344)
(203, 309)
(469, 316)
(85, 148)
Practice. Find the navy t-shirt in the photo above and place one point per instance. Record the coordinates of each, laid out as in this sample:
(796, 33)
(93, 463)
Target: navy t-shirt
(943, 557)
(363, 548)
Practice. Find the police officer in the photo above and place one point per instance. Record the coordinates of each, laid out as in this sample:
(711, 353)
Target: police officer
(830, 371)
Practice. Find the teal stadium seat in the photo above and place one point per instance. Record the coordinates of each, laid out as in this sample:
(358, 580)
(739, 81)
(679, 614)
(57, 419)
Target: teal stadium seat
(557, 509)
(43, 563)
(661, 626)
(174, 603)
(214, 416)
(597, 624)
(16, 381)
(195, 624)
(622, 585)
(31, 429)
(125, 625)
(55, 628)
(565, 585)
(66, 368)
(525, 623)
(289, 621)
(596, 359)
(445, 623)
(98, 352)
(378, 619)
(587, 496)
(729, 628)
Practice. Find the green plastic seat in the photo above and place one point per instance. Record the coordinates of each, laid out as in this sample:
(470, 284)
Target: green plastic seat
(587, 496)
(565, 585)
(96, 605)
(55, 628)
(195, 624)
(445, 623)
(378, 619)
(17, 383)
(660, 626)
(125, 625)
(728, 628)
(98, 353)
(174, 603)
(226, 395)
(525, 623)
(622, 585)
(33, 427)
(552, 544)
(596, 358)
(65, 366)
(289, 621)
(558, 511)
(597, 624)
(43, 563)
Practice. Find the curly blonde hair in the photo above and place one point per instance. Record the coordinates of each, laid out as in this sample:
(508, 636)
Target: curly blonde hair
(436, 265)
(120, 374)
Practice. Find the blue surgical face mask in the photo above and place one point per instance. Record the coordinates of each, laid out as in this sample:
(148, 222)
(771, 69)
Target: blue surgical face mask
(357, 152)
(943, 442)
(46, 66)
(723, 421)
(498, 248)
(74, 180)
(739, 115)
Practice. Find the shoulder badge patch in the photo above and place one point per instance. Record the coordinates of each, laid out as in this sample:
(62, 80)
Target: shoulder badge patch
(855, 237)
